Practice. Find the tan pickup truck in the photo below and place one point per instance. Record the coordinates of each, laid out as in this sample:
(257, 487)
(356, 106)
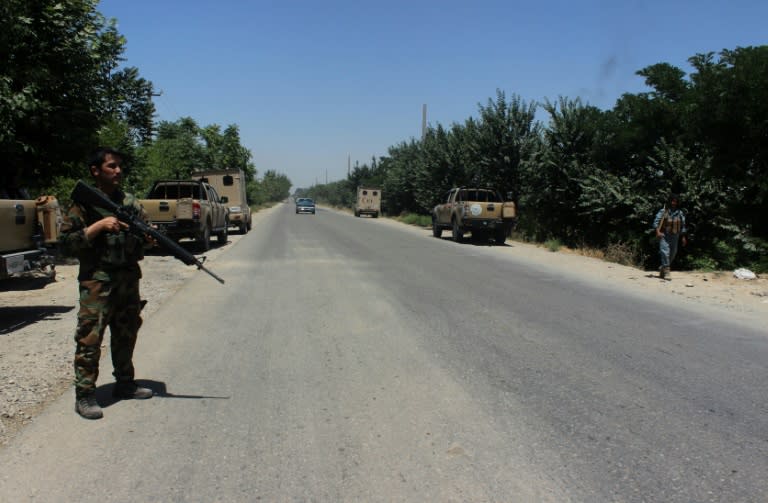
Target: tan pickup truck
(481, 211)
(188, 209)
(28, 233)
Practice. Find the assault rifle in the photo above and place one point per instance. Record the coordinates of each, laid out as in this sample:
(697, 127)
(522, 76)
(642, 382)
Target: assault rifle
(87, 195)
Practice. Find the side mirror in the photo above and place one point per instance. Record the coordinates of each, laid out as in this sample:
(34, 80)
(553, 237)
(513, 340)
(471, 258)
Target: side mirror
(224, 199)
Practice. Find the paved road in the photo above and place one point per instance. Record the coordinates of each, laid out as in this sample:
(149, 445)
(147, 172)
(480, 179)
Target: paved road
(347, 359)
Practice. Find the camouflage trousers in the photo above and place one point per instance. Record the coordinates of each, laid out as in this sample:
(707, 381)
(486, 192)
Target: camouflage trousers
(115, 304)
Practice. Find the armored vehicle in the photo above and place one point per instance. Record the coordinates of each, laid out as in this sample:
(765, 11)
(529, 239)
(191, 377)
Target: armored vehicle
(368, 202)
(28, 232)
(230, 183)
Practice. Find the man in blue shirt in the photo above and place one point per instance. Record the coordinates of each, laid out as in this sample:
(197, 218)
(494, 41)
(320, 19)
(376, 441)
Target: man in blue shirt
(670, 228)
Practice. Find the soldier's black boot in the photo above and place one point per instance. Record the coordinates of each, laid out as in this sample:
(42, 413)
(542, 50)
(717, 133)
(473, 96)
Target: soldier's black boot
(88, 407)
(130, 390)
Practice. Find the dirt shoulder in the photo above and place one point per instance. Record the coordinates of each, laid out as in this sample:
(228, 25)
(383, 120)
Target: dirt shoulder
(37, 316)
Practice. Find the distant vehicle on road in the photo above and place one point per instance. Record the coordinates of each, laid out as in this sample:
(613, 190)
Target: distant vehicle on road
(305, 205)
(368, 202)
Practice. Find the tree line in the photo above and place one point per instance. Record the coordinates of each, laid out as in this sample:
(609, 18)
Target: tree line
(596, 178)
(63, 92)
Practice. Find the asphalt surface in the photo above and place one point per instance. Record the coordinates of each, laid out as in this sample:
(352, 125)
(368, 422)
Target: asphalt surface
(348, 360)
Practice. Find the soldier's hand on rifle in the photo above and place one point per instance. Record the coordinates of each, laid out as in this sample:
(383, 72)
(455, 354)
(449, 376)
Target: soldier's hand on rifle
(659, 234)
(106, 224)
(684, 240)
(152, 242)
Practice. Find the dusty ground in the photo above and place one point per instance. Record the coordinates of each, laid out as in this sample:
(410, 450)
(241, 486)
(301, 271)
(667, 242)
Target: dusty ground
(37, 316)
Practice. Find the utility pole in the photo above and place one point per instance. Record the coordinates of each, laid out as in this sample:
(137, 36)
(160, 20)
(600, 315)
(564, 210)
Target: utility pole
(349, 164)
(423, 121)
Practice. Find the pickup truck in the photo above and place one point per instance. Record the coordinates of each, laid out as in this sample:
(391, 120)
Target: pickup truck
(481, 211)
(28, 233)
(188, 209)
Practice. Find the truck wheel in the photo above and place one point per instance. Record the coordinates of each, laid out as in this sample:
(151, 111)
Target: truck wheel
(458, 235)
(242, 228)
(437, 231)
(223, 235)
(204, 239)
(357, 214)
(248, 226)
(376, 215)
(500, 235)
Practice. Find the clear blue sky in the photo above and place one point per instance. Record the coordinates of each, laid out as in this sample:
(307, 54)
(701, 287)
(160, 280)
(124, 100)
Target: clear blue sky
(311, 83)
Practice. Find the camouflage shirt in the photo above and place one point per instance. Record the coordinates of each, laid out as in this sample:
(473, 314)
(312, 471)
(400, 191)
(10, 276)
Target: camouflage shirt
(107, 253)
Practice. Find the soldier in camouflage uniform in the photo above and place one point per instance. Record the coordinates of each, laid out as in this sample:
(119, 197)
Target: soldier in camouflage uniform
(109, 286)
(670, 228)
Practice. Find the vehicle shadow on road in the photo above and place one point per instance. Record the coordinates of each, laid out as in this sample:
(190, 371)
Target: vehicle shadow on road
(15, 318)
(477, 242)
(29, 281)
(159, 388)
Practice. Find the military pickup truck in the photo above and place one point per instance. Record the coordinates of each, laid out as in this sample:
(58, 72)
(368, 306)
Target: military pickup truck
(188, 209)
(481, 211)
(28, 233)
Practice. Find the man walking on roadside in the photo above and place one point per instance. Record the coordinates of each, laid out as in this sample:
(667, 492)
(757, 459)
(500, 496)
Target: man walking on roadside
(670, 228)
(109, 285)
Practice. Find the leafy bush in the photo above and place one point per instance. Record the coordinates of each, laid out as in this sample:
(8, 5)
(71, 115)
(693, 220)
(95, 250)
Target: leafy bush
(415, 219)
(706, 264)
(553, 245)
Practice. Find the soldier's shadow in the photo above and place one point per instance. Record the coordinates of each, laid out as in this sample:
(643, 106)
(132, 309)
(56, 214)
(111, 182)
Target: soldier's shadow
(159, 389)
(16, 318)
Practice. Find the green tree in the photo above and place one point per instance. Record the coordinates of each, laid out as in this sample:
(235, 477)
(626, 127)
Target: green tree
(727, 119)
(60, 85)
(508, 136)
(225, 151)
(555, 175)
(274, 186)
(176, 152)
